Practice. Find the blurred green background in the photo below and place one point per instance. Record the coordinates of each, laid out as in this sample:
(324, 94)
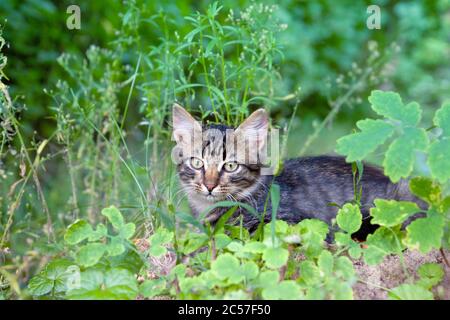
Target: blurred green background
(322, 41)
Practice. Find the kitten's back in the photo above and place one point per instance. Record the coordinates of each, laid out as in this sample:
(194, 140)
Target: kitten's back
(311, 187)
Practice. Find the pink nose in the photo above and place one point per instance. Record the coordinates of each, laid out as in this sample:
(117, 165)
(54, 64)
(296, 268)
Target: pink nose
(210, 186)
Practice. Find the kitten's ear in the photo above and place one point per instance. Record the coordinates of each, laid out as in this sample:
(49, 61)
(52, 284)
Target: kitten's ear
(254, 128)
(184, 125)
(258, 121)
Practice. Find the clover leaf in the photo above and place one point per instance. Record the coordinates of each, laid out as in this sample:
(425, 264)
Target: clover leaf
(114, 284)
(349, 218)
(390, 213)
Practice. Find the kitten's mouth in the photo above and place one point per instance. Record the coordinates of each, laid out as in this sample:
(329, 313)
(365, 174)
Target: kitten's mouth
(213, 197)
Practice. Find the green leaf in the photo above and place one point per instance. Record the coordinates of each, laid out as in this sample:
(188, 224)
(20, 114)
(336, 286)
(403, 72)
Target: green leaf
(52, 279)
(410, 292)
(223, 219)
(161, 236)
(250, 270)
(389, 104)
(444, 206)
(315, 293)
(222, 240)
(439, 159)
(157, 251)
(339, 290)
(275, 202)
(342, 239)
(285, 290)
(77, 232)
(390, 213)
(115, 247)
(129, 260)
(312, 230)
(40, 285)
(151, 288)
(382, 242)
(281, 227)
(325, 263)
(254, 247)
(349, 218)
(425, 233)
(127, 230)
(158, 242)
(209, 280)
(275, 257)
(426, 189)
(309, 273)
(312, 233)
(226, 267)
(357, 146)
(90, 254)
(430, 275)
(114, 216)
(235, 246)
(114, 284)
(188, 284)
(196, 241)
(268, 279)
(237, 295)
(99, 233)
(442, 118)
(179, 271)
(344, 268)
(190, 219)
(355, 250)
(400, 156)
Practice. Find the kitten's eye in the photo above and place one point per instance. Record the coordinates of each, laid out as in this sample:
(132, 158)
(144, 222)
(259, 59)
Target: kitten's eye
(231, 166)
(196, 163)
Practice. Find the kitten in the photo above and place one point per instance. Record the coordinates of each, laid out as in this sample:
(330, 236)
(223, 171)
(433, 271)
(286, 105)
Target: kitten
(213, 167)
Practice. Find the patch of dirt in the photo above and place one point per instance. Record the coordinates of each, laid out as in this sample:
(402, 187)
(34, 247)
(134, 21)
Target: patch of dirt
(390, 273)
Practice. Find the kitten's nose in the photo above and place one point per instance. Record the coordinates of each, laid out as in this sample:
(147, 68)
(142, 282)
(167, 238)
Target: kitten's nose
(210, 186)
(211, 178)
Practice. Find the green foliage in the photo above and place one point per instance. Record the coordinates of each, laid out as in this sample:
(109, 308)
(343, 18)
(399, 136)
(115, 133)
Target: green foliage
(426, 233)
(439, 153)
(382, 242)
(275, 257)
(359, 145)
(114, 284)
(426, 189)
(98, 269)
(430, 274)
(349, 218)
(158, 240)
(403, 119)
(390, 213)
(400, 156)
(423, 233)
(410, 292)
(52, 280)
(335, 275)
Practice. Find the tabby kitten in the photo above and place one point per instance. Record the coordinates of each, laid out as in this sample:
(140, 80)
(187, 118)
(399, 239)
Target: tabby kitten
(213, 165)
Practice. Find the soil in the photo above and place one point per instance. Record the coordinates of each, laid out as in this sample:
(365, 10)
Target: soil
(390, 273)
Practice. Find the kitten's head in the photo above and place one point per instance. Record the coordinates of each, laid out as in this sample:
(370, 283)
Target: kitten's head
(217, 162)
